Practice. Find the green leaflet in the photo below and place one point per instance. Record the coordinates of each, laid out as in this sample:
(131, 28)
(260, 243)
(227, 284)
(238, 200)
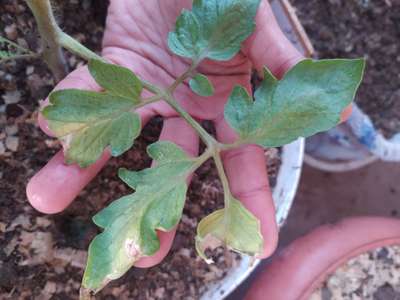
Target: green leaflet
(234, 227)
(213, 29)
(116, 80)
(130, 223)
(88, 122)
(309, 99)
(201, 86)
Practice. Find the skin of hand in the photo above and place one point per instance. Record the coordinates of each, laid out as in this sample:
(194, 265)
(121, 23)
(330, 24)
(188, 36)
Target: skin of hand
(135, 37)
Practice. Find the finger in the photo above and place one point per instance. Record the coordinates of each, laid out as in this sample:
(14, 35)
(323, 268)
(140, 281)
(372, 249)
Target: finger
(179, 132)
(268, 45)
(246, 169)
(78, 79)
(57, 184)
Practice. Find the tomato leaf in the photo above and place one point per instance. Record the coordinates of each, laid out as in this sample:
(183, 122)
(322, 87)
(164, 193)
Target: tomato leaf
(116, 80)
(309, 99)
(88, 122)
(201, 86)
(213, 29)
(234, 227)
(130, 223)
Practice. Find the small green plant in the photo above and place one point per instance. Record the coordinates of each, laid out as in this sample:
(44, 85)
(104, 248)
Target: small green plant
(309, 99)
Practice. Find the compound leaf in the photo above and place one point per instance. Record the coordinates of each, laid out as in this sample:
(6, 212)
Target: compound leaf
(88, 122)
(130, 223)
(309, 99)
(213, 29)
(201, 86)
(234, 227)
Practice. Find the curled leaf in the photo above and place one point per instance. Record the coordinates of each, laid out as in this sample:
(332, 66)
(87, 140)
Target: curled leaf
(234, 227)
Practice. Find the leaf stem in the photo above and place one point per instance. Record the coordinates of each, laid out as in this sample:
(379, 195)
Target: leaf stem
(20, 56)
(76, 47)
(234, 145)
(149, 100)
(204, 135)
(54, 39)
(183, 77)
(49, 32)
(19, 48)
(223, 178)
(151, 87)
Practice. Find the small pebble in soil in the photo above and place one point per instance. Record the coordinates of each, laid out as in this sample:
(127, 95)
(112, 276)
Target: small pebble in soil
(12, 143)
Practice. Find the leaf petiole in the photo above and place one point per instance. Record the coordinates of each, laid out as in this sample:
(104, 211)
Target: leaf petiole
(224, 179)
(204, 135)
(183, 77)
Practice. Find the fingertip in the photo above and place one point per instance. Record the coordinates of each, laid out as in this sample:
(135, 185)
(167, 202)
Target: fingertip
(166, 240)
(36, 199)
(56, 185)
(346, 113)
(272, 244)
(269, 46)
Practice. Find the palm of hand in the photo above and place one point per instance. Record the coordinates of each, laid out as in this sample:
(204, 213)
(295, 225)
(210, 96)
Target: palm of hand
(135, 37)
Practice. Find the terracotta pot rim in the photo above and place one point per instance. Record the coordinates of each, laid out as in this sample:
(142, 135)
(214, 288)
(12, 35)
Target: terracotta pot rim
(387, 242)
(303, 266)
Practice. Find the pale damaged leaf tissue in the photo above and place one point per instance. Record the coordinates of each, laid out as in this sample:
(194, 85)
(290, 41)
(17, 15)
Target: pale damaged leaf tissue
(233, 227)
(130, 223)
(88, 122)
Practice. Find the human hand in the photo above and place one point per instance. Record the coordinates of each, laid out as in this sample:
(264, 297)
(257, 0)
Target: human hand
(135, 38)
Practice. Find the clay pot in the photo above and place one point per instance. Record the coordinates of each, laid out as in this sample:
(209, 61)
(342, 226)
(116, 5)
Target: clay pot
(304, 265)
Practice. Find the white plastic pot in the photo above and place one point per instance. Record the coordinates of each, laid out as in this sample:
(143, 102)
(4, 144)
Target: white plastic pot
(351, 146)
(284, 192)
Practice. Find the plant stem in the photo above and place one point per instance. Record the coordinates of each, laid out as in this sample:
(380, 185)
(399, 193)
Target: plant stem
(49, 31)
(53, 39)
(223, 178)
(183, 77)
(234, 145)
(20, 56)
(151, 87)
(204, 135)
(76, 47)
(147, 101)
(19, 48)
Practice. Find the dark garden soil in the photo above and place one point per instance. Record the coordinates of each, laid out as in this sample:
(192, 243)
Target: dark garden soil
(357, 28)
(43, 257)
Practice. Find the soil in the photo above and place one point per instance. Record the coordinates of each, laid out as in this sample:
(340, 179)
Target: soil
(361, 28)
(370, 276)
(43, 257)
